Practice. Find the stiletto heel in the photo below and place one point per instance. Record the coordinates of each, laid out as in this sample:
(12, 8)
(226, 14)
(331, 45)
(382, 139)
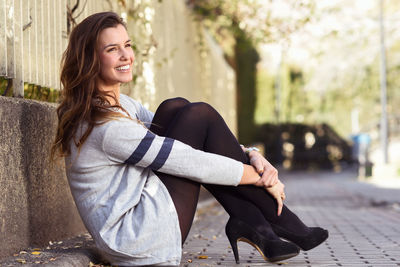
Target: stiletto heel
(270, 250)
(234, 246)
(313, 238)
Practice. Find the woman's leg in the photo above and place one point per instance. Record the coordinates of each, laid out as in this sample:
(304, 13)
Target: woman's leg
(200, 126)
(201, 121)
(184, 192)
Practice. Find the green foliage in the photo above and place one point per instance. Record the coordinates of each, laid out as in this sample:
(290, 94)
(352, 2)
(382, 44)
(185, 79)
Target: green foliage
(246, 58)
(31, 91)
(239, 26)
(228, 20)
(3, 87)
(286, 102)
(41, 93)
(266, 97)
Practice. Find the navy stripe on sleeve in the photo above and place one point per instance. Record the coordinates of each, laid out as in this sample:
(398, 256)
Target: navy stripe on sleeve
(141, 149)
(162, 154)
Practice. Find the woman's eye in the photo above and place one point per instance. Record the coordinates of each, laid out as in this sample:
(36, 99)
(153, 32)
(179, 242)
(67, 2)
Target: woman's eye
(128, 45)
(111, 49)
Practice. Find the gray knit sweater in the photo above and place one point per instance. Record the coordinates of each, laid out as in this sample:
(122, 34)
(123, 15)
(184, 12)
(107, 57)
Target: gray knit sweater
(124, 205)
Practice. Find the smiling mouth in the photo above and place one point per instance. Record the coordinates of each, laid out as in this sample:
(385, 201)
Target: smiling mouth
(123, 68)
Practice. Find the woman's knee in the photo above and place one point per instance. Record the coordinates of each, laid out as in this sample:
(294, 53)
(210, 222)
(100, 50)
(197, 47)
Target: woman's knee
(201, 110)
(176, 102)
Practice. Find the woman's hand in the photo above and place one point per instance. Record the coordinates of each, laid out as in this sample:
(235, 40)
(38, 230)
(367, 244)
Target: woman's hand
(250, 176)
(277, 191)
(268, 173)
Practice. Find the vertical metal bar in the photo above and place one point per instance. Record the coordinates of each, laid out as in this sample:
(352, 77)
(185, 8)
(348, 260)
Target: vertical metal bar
(90, 7)
(47, 60)
(64, 16)
(83, 10)
(63, 36)
(54, 44)
(10, 39)
(3, 39)
(39, 43)
(34, 41)
(18, 82)
(58, 39)
(384, 120)
(27, 23)
(41, 50)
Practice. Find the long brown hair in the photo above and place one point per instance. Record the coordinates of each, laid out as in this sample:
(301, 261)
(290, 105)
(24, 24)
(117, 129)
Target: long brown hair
(81, 99)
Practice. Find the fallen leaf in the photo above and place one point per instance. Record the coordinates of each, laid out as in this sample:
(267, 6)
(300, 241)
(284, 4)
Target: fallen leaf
(15, 255)
(22, 252)
(36, 249)
(21, 260)
(52, 259)
(190, 261)
(202, 257)
(36, 253)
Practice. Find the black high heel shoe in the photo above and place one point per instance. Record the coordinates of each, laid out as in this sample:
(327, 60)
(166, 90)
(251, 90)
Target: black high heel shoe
(270, 250)
(315, 237)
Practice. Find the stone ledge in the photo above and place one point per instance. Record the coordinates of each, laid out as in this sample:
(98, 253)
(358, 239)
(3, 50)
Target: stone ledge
(36, 204)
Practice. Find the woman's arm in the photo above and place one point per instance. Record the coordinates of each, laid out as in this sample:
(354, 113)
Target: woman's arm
(126, 141)
(250, 176)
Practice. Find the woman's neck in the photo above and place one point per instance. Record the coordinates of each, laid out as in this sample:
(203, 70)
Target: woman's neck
(112, 94)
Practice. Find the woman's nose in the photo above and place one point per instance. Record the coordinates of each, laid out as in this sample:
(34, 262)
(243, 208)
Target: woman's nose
(125, 54)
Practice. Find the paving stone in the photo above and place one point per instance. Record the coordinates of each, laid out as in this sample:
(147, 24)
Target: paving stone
(363, 225)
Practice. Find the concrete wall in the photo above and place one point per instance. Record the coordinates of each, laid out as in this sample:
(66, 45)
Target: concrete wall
(36, 205)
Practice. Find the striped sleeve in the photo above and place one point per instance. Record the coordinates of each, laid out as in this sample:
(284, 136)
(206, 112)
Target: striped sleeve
(126, 141)
(144, 146)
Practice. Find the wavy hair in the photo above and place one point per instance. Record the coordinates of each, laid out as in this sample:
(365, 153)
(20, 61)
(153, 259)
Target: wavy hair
(81, 99)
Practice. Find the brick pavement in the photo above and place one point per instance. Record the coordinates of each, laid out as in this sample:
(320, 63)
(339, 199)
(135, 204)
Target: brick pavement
(363, 221)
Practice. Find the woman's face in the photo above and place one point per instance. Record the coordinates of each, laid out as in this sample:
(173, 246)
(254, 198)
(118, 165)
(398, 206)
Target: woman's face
(116, 58)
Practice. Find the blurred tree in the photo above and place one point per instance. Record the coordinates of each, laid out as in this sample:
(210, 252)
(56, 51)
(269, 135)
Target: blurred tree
(239, 26)
(337, 52)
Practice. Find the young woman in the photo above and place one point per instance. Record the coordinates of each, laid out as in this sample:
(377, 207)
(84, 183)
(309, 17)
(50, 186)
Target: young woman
(135, 176)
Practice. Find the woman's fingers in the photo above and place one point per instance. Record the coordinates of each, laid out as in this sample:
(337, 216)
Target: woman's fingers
(256, 162)
(277, 191)
(280, 205)
(269, 174)
(270, 177)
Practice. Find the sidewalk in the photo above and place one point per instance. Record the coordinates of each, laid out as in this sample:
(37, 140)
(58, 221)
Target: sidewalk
(363, 221)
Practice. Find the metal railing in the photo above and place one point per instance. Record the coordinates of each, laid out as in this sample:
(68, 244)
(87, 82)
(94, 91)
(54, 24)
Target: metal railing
(33, 36)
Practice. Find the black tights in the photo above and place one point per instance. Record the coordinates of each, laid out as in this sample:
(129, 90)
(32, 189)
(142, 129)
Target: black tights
(200, 126)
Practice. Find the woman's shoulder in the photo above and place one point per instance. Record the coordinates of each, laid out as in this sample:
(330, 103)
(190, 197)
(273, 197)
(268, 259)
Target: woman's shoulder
(125, 99)
(129, 104)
